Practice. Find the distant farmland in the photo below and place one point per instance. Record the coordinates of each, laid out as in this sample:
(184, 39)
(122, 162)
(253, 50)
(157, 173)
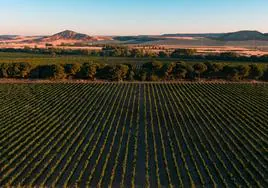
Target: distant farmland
(134, 134)
(37, 59)
(48, 59)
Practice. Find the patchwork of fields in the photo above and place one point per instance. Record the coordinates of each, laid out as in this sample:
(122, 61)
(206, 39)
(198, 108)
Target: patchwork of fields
(44, 59)
(134, 134)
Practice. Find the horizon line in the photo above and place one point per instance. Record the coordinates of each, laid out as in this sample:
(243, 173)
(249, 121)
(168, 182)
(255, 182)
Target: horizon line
(182, 33)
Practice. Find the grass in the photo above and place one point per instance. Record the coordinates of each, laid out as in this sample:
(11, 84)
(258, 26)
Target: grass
(39, 59)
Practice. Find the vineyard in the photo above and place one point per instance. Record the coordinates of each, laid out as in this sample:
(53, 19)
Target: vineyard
(134, 134)
(44, 59)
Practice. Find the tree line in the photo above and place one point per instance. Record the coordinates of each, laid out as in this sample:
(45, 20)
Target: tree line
(150, 71)
(124, 51)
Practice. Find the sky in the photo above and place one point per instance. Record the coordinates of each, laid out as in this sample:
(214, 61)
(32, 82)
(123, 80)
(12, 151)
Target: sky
(131, 17)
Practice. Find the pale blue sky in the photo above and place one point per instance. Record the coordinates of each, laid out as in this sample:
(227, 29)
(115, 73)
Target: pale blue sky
(131, 17)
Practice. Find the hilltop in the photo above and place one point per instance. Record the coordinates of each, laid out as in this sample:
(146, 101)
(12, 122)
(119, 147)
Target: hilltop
(244, 36)
(68, 35)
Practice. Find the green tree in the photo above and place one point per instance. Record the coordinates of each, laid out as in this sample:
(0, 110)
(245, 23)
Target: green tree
(213, 70)
(15, 70)
(25, 69)
(58, 72)
(180, 70)
(162, 54)
(3, 70)
(243, 71)
(153, 66)
(42, 72)
(229, 55)
(92, 71)
(183, 52)
(199, 68)
(231, 73)
(136, 52)
(131, 75)
(119, 72)
(167, 70)
(255, 71)
(265, 75)
(181, 73)
(72, 69)
(143, 76)
(217, 67)
(88, 71)
(113, 72)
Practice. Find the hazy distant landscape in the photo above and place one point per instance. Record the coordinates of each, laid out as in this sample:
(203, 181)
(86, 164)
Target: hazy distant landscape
(133, 94)
(243, 42)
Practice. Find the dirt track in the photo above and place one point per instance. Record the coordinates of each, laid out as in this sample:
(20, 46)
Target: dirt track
(28, 81)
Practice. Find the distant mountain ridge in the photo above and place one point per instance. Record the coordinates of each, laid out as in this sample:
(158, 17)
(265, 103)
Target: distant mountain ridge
(206, 35)
(7, 37)
(136, 39)
(71, 37)
(243, 35)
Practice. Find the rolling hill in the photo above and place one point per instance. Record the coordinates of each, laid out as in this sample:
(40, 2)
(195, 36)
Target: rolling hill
(246, 39)
(137, 39)
(205, 35)
(7, 37)
(68, 35)
(244, 36)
